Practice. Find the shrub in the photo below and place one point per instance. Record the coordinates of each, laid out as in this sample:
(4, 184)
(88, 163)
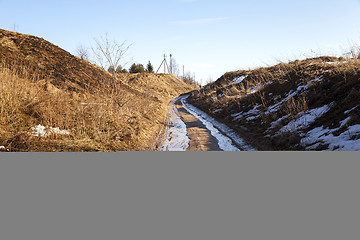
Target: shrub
(111, 70)
(119, 69)
(137, 68)
(189, 79)
(149, 67)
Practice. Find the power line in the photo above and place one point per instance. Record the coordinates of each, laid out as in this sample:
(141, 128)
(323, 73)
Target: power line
(164, 62)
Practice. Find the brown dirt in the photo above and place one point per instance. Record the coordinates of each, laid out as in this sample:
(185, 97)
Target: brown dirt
(338, 87)
(200, 137)
(50, 62)
(154, 94)
(52, 86)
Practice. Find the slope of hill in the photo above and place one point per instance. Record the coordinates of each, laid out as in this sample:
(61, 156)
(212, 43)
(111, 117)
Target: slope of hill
(49, 62)
(313, 104)
(53, 101)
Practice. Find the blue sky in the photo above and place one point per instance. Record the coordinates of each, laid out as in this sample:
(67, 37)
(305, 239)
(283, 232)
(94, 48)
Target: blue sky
(208, 37)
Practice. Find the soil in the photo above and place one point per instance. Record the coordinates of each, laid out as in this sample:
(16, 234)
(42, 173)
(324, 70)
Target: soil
(296, 87)
(142, 97)
(200, 137)
(57, 66)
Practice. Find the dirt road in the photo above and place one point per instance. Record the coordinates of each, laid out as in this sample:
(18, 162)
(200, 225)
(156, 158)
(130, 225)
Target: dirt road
(190, 129)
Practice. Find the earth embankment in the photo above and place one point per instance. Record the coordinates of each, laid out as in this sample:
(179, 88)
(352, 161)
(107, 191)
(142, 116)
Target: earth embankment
(45, 87)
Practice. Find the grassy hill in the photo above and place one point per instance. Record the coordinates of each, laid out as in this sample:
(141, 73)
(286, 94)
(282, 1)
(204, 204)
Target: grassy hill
(312, 104)
(51, 100)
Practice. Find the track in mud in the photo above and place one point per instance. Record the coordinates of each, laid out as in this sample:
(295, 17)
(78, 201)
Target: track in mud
(190, 129)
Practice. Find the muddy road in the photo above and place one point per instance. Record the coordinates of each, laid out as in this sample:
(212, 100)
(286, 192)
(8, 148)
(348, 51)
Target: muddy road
(190, 129)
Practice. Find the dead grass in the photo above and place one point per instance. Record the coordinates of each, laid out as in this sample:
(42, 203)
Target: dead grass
(294, 107)
(117, 118)
(328, 80)
(41, 83)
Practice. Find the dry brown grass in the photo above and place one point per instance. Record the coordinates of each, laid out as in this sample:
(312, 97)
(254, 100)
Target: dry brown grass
(117, 118)
(26, 102)
(43, 84)
(328, 80)
(294, 107)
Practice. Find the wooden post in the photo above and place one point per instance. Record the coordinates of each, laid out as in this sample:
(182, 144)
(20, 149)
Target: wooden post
(171, 66)
(165, 65)
(165, 62)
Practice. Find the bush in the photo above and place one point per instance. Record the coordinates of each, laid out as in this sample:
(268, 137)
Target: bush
(189, 79)
(149, 67)
(119, 69)
(111, 70)
(137, 68)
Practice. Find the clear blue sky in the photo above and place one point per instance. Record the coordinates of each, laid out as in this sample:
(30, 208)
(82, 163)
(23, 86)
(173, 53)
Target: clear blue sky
(209, 37)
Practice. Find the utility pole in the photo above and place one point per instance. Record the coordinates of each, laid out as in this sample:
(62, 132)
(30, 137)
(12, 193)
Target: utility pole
(15, 27)
(165, 65)
(183, 72)
(171, 66)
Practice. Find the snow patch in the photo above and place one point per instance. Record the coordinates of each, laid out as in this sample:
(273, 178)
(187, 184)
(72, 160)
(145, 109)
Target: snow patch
(290, 94)
(337, 63)
(254, 112)
(41, 131)
(348, 111)
(252, 118)
(304, 119)
(344, 122)
(254, 89)
(325, 136)
(176, 139)
(225, 143)
(238, 79)
(277, 123)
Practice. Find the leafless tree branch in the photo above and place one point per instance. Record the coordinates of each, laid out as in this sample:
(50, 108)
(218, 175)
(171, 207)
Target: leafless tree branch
(83, 52)
(109, 53)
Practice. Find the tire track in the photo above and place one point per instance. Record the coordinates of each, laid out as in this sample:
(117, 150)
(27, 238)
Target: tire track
(203, 131)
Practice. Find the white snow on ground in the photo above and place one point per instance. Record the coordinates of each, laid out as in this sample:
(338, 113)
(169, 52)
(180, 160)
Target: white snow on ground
(337, 63)
(254, 89)
(252, 118)
(343, 122)
(258, 87)
(176, 139)
(41, 131)
(349, 111)
(277, 122)
(237, 116)
(238, 79)
(276, 107)
(224, 142)
(254, 112)
(317, 79)
(2, 148)
(304, 119)
(342, 142)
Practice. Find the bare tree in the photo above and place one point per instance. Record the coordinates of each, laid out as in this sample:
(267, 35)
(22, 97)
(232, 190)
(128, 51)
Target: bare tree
(83, 52)
(109, 53)
(188, 78)
(174, 67)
